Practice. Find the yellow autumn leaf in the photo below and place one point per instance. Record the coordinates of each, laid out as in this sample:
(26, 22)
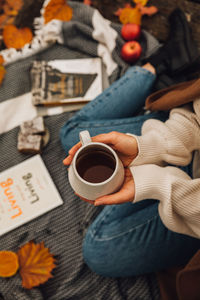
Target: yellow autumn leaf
(130, 15)
(142, 2)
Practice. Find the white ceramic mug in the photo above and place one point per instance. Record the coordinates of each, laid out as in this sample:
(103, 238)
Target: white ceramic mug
(94, 190)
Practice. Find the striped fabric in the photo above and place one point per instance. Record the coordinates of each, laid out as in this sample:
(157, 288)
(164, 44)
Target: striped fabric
(63, 228)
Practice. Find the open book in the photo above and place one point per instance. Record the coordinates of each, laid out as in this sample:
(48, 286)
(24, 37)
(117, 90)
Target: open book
(66, 81)
(26, 192)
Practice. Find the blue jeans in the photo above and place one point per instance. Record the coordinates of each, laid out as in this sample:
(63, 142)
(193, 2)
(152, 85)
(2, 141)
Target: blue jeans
(127, 239)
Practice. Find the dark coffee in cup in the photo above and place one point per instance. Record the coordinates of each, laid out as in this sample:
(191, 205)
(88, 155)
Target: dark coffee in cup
(96, 169)
(95, 165)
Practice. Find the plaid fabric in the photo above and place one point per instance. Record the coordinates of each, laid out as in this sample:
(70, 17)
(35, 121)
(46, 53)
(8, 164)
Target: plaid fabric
(63, 228)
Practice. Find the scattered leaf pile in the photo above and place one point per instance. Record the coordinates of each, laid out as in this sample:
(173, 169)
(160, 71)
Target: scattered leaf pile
(14, 37)
(34, 262)
(10, 9)
(17, 38)
(130, 14)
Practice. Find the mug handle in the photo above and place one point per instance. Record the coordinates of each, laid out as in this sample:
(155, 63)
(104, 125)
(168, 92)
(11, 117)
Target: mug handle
(85, 137)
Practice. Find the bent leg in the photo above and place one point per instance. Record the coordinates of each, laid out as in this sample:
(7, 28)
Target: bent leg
(123, 99)
(130, 239)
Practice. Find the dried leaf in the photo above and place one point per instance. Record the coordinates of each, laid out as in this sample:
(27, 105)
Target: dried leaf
(142, 2)
(119, 11)
(15, 4)
(87, 2)
(8, 260)
(151, 10)
(9, 11)
(2, 73)
(57, 9)
(130, 15)
(36, 264)
(16, 38)
(3, 20)
(1, 60)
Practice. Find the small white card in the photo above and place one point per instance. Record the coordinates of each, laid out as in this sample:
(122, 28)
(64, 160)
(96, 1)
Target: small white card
(26, 192)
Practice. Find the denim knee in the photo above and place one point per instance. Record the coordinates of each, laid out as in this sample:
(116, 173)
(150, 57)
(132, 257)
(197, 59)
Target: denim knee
(95, 257)
(102, 256)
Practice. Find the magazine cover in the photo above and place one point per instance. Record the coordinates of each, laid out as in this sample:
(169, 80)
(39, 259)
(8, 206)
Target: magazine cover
(26, 192)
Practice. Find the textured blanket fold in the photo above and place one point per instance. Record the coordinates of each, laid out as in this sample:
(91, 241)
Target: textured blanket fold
(62, 229)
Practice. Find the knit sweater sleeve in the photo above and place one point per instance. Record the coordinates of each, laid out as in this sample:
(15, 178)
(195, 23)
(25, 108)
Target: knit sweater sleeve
(179, 205)
(171, 142)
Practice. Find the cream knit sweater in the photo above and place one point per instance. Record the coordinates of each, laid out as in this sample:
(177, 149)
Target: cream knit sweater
(173, 142)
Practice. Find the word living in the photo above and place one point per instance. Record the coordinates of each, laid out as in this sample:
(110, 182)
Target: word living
(29, 187)
(15, 209)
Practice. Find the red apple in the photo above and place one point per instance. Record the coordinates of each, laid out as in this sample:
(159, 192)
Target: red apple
(130, 31)
(131, 51)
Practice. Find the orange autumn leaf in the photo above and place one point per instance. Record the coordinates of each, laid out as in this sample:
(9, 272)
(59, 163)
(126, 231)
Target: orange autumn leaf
(9, 10)
(2, 73)
(130, 15)
(15, 4)
(36, 264)
(142, 2)
(8, 260)
(151, 10)
(16, 38)
(119, 11)
(87, 2)
(3, 20)
(1, 60)
(57, 9)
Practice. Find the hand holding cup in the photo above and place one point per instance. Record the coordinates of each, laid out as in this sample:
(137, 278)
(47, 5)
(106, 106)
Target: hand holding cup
(126, 148)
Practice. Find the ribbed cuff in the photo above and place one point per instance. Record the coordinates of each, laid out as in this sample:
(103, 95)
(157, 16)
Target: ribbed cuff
(151, 182)
(150, 149)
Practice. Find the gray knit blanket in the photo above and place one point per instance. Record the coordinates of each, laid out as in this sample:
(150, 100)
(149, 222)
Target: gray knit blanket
(63, 228)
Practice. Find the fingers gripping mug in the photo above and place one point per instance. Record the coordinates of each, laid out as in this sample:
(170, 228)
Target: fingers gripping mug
(95, 170)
